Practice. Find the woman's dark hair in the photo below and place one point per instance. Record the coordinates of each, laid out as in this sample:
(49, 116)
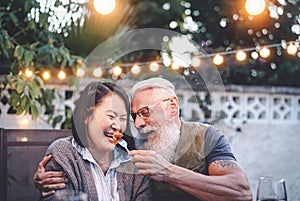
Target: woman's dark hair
(91, 96)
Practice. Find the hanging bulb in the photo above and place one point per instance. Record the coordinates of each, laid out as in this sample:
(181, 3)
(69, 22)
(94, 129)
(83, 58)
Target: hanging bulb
(218, 59)
(264, 52)
(291, 49)
(241, 55)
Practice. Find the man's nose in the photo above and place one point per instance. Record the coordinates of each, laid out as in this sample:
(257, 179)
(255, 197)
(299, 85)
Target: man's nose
(139, 122)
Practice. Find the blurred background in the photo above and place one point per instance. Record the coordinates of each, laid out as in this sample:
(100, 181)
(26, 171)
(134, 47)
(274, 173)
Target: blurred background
(252, 44)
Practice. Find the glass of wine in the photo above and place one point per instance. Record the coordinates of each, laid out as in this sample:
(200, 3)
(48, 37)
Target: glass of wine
(271, 189)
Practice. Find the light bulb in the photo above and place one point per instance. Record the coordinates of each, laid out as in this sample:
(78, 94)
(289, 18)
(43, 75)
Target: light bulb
(135, 69)
(255, 7)
(218, 59)
(291, 49)
(241, 55)
(264, 52)
(117, 71)
(104, 7)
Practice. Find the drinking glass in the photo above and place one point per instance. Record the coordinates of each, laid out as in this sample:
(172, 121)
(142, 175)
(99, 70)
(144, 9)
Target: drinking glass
(271, 189)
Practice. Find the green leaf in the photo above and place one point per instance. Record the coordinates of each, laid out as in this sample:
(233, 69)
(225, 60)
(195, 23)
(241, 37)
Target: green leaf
(57, 120)
(14, 99)
(57, 3)
(20, 86)
(27, 106)
(28, 57)
(34, 111)
(23, 101)
(59, 58)
(33, 46)
(31, 25)
(34, 90)
(40, 82)
(4, 82)
(19, 110)
(14, 19)
(19, 50)
(2, 13)
(63, 63)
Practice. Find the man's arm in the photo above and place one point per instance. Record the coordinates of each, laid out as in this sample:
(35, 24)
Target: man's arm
(48, 182)
(226, 180)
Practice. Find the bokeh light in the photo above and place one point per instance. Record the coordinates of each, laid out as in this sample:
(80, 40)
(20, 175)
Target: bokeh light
(255, 7)
(46, 75)
(104, 7)
(61, 75)
(241, 55)
(218, 59)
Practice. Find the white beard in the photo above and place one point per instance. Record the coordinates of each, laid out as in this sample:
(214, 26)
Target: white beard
(164, 141)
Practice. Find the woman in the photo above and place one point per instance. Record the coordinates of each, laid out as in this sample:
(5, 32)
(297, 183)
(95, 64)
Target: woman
(90, 158)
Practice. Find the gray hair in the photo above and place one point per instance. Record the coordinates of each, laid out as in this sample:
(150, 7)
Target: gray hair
(155, 82)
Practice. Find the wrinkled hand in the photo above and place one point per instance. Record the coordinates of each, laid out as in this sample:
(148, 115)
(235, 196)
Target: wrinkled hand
(150, 163)
(48, 182)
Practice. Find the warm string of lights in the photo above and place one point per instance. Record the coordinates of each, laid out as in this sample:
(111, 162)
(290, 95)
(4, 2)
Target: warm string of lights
(116, 71)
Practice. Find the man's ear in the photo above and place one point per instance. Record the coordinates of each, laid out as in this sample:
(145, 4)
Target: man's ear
(174, 104)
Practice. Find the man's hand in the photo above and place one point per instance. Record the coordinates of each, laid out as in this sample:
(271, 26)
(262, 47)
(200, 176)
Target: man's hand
(48, 182)
(150, 163)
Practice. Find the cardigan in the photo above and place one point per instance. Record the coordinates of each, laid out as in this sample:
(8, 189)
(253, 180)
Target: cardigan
(66, 158)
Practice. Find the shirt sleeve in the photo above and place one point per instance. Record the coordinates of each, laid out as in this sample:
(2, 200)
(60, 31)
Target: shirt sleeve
(216, 146)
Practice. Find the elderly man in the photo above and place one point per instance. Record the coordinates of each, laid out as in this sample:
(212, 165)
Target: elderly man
(185, 160)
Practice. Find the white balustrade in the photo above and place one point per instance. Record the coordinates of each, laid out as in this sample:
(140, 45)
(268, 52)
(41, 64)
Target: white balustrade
(240, 104)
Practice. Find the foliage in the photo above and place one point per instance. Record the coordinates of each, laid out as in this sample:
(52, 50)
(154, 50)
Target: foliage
(27, 43)
(27, 95)
(201, 20)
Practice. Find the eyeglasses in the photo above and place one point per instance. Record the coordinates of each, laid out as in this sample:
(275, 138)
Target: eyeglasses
(144, 112)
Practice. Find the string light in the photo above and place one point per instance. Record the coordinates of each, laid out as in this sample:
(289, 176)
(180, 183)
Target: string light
(28, 72)
(97, 72)
(291, 49)
(135, 69)
(235, 51)
(61, 75)
(218, 59)
(46, 75)
(241, 55)
(80, 72)
(117, 71)
(154, 66)
(264, 52)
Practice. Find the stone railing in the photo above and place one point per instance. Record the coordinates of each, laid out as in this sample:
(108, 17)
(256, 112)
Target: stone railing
(237, 105)
(260, 104)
